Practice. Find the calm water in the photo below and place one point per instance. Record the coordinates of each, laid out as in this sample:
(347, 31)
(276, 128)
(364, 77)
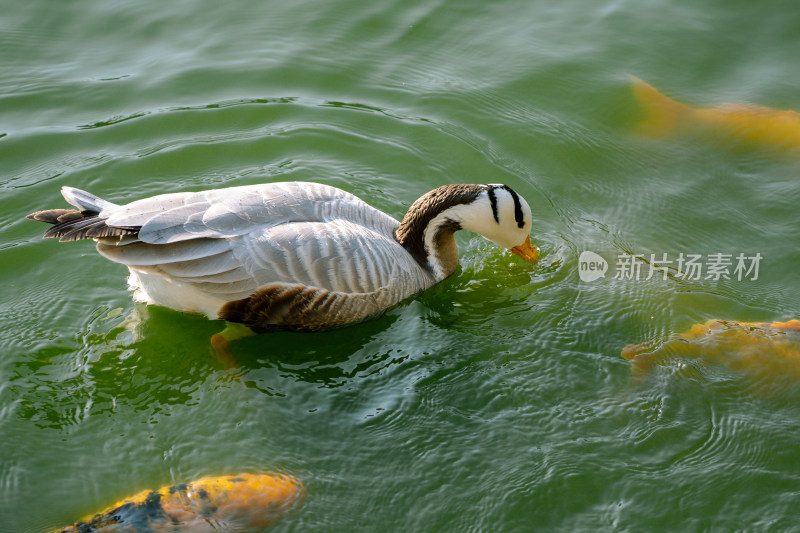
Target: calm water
(498, 400)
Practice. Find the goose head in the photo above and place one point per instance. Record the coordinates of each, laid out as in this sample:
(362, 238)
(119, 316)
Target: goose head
(494, 211)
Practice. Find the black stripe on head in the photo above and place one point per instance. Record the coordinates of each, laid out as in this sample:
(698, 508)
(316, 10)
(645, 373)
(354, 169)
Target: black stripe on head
(518, 216)
(493, 200)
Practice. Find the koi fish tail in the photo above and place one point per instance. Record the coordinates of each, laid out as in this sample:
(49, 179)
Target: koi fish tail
(661, 113)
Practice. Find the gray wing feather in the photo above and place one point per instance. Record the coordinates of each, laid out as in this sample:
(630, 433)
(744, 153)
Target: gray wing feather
(236, 211)
(144, 254)
(231, 241)
(338, 256)
(140, 212)
(213, 265)
(85, 201)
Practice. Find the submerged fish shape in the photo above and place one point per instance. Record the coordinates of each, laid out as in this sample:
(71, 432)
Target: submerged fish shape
(744, 124)
(294, 255)
(244, 502)
(764, 350)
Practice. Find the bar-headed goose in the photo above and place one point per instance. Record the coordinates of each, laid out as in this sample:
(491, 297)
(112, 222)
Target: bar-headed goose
(289, 255)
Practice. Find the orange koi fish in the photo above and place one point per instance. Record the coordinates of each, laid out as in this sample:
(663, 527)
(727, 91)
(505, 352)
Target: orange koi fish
(757, 349)
(743, 124)
(245, 502)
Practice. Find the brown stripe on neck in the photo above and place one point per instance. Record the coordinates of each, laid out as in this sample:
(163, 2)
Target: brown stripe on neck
(411, 232)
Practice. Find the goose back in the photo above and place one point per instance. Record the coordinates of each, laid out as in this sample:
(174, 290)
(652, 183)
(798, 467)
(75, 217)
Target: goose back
(303, 254)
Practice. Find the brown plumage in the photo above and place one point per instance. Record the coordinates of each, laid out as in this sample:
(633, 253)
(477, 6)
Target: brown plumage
(281, 303)
(411, 232)
(298, 307)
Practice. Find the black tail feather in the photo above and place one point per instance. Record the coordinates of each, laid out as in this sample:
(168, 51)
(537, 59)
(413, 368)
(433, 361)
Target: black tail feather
(73, 225)
(54, 216)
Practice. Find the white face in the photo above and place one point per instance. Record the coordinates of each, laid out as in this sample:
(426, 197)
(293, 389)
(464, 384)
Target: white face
(505, 220)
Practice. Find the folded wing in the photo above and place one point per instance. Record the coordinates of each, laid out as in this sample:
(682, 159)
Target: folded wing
(230, 241)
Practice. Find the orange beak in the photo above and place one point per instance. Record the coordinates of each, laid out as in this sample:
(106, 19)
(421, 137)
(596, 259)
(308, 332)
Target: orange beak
(527, 251)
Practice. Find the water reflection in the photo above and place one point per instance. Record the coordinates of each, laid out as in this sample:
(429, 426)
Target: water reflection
(327, 358)
(152, 359)
(139, 361)
(492, 285)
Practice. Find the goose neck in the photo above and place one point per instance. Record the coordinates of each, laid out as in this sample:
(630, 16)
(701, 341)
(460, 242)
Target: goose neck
(426, 231)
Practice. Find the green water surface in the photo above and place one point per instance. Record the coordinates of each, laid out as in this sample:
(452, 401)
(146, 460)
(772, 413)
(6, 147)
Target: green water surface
(496, 401)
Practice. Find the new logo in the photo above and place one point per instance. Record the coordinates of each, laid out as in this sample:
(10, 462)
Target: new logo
(591, 266)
